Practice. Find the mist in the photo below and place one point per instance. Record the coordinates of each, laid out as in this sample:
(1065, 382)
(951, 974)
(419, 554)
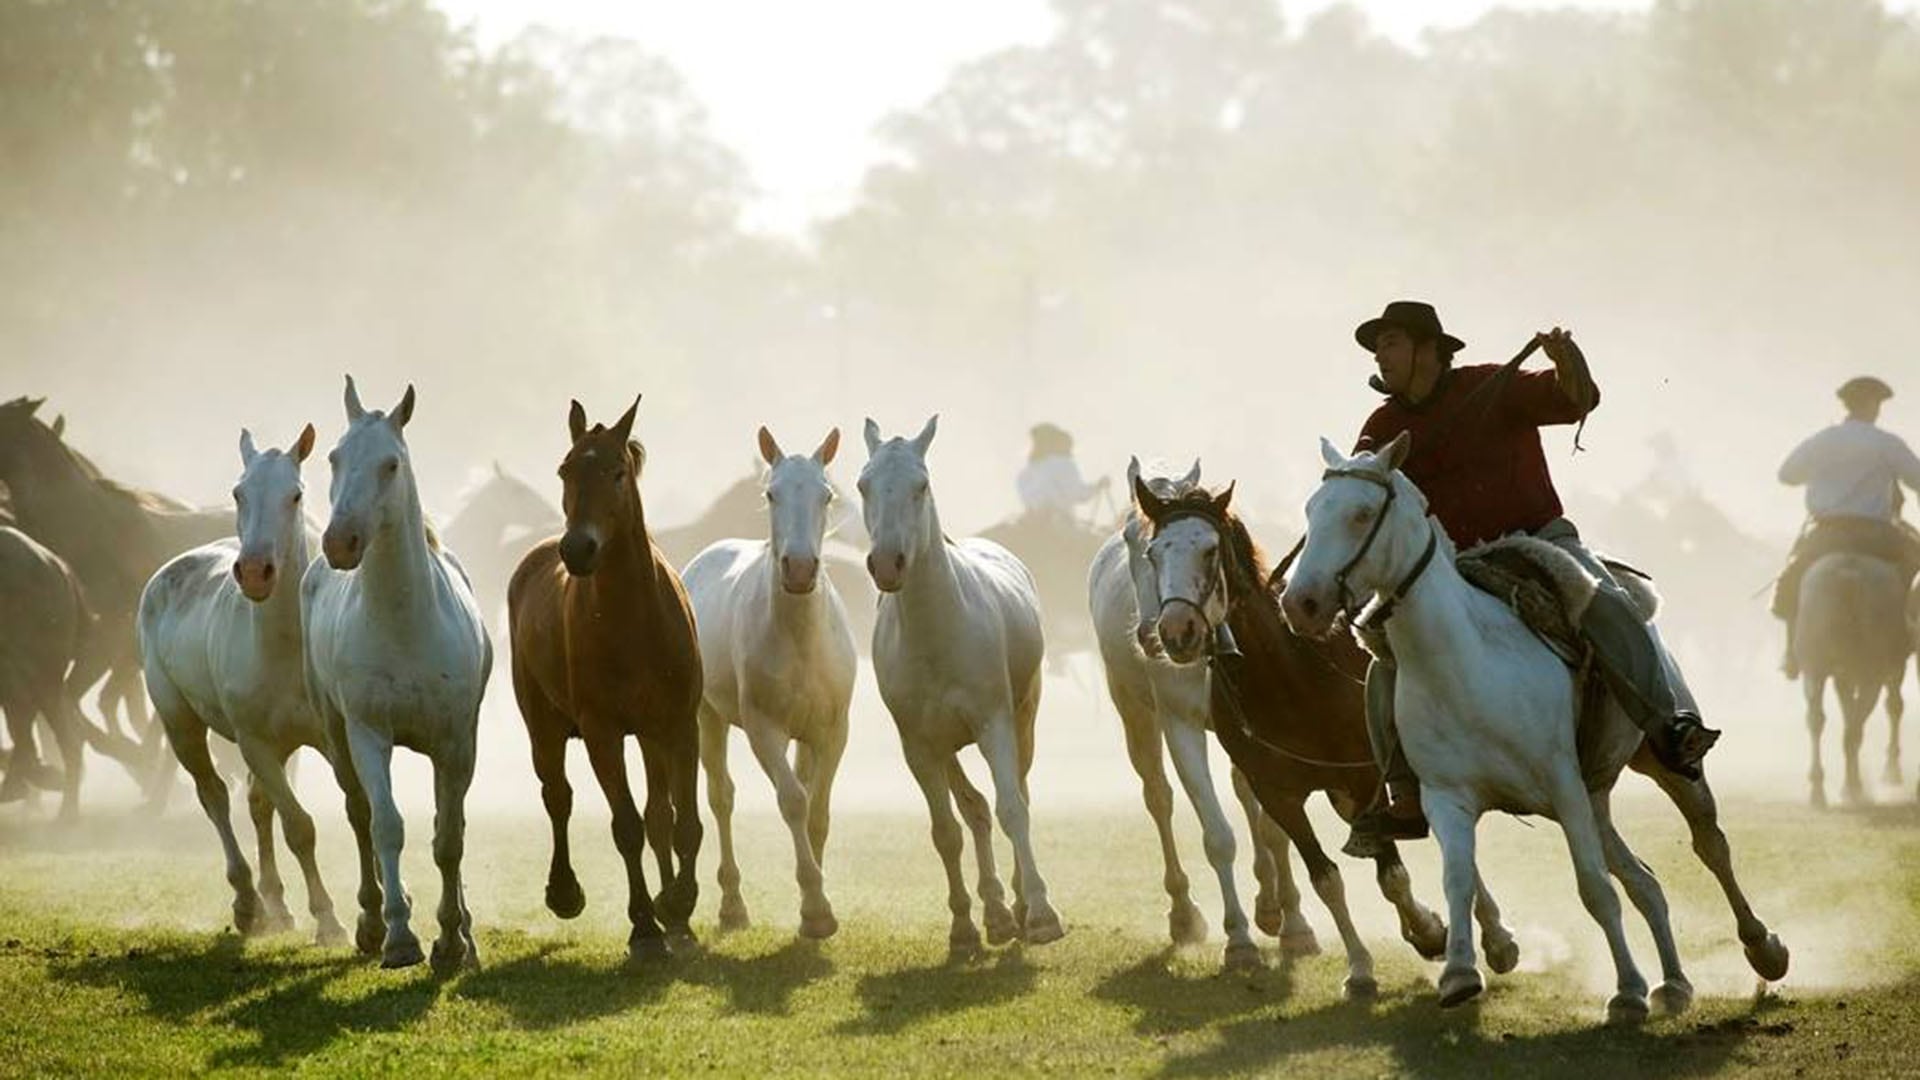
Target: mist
(1156, 227)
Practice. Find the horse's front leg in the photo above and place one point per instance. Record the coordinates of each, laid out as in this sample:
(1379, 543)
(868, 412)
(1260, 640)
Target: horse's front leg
(452, 776)
(769, 742)
(1040, 923)
(372, 752)
(606, 751)
(1419, 926)
(1814, 688)
(1574, 808)
(1276, 906)
(1453, 824)
(1896, 710)
(1291, 815)
(1187, 744)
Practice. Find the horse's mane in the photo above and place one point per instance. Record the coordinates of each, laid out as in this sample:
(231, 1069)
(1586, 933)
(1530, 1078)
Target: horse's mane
(1246, 565)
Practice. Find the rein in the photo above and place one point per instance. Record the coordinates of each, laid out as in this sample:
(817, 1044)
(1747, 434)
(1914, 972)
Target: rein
(1349, 603)
(1224, 648)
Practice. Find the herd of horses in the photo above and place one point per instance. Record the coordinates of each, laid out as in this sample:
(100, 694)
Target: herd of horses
(384, 638)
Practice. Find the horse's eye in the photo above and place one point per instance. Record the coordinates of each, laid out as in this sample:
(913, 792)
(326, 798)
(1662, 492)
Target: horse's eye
(296, 499)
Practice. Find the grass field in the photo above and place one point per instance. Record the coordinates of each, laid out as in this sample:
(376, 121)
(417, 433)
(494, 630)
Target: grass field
(115, 959)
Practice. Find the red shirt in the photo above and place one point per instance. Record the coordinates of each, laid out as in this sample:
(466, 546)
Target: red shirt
(1480, 464)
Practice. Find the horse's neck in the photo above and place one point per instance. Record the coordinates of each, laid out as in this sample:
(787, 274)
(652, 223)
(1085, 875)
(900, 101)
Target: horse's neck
(1433, 630)
(398, 571)
(627, 566)
(932, 589)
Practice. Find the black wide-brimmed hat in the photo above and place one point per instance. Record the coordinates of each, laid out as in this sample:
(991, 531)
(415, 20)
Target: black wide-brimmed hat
(1864, 388)
(1416, 317)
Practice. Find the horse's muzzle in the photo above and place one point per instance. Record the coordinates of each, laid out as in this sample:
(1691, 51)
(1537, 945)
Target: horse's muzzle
(799, 576)
(343, 548)
(889, 572)
(1307, 615)
(1183, 634)
(256, 577)
(580, 552)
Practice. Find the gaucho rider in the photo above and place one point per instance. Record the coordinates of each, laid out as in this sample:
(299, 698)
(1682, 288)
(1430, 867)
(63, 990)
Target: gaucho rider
(1477, 457)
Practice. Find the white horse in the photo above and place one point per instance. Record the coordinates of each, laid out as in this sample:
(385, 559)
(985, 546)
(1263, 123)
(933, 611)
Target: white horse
(397, 654)
(779, 663)
(957, 650)
(1485, 713)
(1851, 630)
(1161, 702)
(220, 645)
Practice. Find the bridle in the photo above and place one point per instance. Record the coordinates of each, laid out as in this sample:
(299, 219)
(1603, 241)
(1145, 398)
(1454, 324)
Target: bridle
(1220, 638)
(1351, 605)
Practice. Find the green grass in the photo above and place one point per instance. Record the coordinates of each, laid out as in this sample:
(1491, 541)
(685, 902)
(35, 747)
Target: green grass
(114, 960)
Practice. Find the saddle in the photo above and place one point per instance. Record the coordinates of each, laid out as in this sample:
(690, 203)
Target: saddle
(1548, 588)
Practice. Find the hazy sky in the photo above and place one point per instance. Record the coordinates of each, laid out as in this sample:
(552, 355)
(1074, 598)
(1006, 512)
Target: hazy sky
(797, 87)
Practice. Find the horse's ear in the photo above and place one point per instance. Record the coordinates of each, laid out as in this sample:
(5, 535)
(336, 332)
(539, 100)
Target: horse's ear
(355, 410)
(60, 426)
(498, 471)
(1150, 504)
(829, 446)
(1192, 479)
(925, 438)
(402, 412)
(624, 426)
(303, 445)
(1223, 500)
(33, 404)
(769, 449)
(1133, 470)
(872, 433)
(247, 450)
(576, 421)
(1396, 452)
(1331, 455)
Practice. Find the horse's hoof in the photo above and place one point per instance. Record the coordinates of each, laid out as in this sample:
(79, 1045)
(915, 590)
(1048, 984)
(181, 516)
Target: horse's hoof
(330, 935)
(681, 939)
(14, 788)
(819, 927)
(1001, 926)
(1894, 776)
(651, 949)
(1044, 927)
(1626, 1008)
(733, 915)
(1818, 800)
(248, 918)
(1243, 957)
(566, 899)
(1769, 958)
(449, 957)
(1361, 988)
(1270, 916)
(1299, 942)
(1428, 936)
(1459, 986)
(1672, 998)
(1185, 924)
(1503, 953)
(963, 942)
(368, 933)
(401, 953)
(1854, 797)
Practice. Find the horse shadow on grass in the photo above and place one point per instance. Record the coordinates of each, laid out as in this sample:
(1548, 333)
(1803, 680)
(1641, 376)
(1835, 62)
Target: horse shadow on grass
(281, 998)
(898, 1000)
(1422, 1040)
(1168, 1001)
(764, 984)
(554, 986)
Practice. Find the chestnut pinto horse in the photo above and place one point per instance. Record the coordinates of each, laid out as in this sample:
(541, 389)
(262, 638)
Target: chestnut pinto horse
(603, 648)
(1289, 711)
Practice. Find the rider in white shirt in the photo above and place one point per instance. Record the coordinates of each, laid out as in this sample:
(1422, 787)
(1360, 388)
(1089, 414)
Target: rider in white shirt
(1051, 482)
(1852, 472)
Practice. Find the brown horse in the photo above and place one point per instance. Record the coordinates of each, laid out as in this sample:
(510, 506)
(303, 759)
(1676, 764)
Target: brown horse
(1290, 712)
(114, 537)
(44, 622)
(603, 648)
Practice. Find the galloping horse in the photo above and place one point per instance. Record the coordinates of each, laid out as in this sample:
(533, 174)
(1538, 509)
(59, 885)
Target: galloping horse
(1288, 711)
(114, 538)
(44, 622)
(957, 650)
(1850, 629)
(779, 663)
(603, 648)
(396, 655)
(1163, 703)
(1486, 714)
(221, 644)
